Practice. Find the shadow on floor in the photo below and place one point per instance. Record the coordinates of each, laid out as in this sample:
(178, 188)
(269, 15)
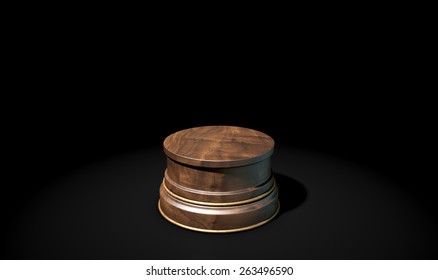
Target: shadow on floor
(291, 193)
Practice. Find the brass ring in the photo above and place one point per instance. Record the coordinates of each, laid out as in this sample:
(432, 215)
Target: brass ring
(204, 192)
(220, 203)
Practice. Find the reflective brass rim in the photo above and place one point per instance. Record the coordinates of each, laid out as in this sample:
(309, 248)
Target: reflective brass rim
(219, 203)
(269, 181)
(218, 230)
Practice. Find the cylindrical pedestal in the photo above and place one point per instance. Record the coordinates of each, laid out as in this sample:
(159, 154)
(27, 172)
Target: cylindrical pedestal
(218, 179)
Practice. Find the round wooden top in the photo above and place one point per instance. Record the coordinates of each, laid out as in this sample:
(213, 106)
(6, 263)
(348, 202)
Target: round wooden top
(218, 146)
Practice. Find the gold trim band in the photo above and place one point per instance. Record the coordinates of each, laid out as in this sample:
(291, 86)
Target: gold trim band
(218, 230)
(219, 203)
(167, 178)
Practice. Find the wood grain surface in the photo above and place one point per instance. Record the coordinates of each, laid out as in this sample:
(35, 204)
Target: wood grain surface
(219, 179)
(218, 146)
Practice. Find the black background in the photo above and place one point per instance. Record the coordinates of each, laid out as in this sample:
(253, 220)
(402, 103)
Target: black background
(92, 102)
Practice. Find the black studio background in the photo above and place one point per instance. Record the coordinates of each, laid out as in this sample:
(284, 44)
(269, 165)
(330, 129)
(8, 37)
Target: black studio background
(95, 102)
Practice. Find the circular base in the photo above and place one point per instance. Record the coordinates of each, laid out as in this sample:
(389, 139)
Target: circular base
(219, 219)
(218, 230)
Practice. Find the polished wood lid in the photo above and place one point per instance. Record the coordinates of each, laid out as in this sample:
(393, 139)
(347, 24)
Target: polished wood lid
(218, 146)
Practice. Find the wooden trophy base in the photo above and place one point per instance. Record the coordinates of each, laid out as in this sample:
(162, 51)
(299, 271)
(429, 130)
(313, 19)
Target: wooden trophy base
(218, 179)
